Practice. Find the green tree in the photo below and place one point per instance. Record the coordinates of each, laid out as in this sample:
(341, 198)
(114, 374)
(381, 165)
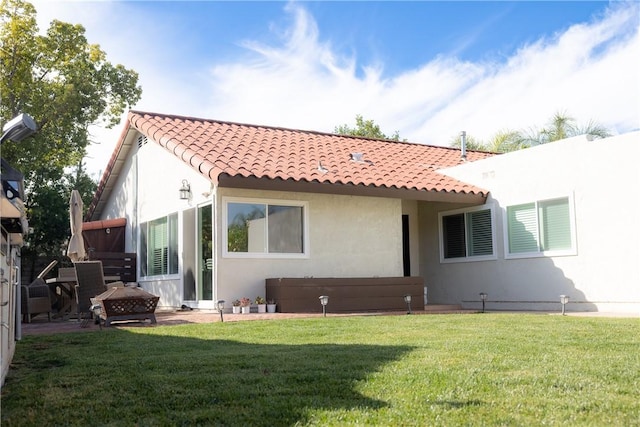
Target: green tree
(507, 140)
(470, 142)
(66, 84)
(365, 128)
(560, 126)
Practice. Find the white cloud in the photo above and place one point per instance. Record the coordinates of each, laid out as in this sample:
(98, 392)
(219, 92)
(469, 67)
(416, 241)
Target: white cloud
(591, 71)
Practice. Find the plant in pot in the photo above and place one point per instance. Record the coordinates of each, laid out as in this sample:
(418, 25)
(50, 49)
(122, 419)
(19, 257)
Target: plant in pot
(236, 306)
(271, 306)
(262, 304)
(245, 304)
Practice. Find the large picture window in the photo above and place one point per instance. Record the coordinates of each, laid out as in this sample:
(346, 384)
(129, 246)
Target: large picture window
(264, 228)
(159, 246)
(467, 235)
(541, 228)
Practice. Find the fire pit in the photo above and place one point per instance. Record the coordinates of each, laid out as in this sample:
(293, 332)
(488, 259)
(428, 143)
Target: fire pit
(126, 303)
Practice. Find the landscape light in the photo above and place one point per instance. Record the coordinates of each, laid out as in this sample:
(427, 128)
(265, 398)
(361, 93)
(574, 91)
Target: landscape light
(407, 299)
(483, 297)
(564, 299)
(220, 304)
(324, 300)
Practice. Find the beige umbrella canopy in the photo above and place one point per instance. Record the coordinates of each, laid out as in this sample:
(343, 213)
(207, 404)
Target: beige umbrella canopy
(76, 251)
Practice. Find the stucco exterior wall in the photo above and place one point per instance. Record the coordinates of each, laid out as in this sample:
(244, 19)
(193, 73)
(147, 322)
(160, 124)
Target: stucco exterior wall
(148, 188)
(349, 236)
(601, 178)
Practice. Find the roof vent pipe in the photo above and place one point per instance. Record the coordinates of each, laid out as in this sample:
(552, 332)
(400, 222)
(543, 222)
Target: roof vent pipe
(463, 145)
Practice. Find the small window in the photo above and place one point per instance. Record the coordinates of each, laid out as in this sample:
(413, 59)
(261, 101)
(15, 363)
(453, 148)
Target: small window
(541, 228)
(265, 228)
(467, 235)
(159, 246)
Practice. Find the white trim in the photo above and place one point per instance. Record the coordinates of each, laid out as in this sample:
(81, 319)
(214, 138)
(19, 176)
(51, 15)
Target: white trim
(492, 257)
(540, 254)
(168, 276)
(264, 255)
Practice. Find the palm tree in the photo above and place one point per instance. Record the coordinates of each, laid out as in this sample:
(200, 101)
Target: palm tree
(507, 140)
(562, 126)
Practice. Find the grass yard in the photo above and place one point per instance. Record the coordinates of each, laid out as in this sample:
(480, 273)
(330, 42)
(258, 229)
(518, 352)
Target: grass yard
(422, 370)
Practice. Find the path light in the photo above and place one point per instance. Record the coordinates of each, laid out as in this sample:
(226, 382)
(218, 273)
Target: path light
(407, 299)
(221, 309)
(564, 299)
(185, 190)
(483, 297)
(324, 300)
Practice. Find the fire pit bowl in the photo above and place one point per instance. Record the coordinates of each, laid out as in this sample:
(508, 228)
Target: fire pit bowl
(126, 303)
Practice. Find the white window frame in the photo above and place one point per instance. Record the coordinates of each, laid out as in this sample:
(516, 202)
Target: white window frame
(541, 253)
(493, 256)
(178, 233)
(265, 255)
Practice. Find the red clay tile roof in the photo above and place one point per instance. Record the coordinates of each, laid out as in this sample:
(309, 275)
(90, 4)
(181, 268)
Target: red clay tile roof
(217, 149)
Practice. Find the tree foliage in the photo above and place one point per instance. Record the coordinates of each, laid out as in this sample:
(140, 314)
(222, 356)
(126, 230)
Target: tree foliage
(365, 128)
(560, 126)
(66, 84)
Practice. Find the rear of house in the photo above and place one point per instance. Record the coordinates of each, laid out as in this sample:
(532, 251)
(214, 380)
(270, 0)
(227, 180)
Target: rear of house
(562, 221)
(264, 202)
(213, 209)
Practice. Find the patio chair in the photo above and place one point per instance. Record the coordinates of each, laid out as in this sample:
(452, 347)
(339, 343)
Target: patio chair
(36, 297)
(90, 282)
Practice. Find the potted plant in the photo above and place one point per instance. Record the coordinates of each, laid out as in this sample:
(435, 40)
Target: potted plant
(262, 304)
(271, 306)
(236, 306)
(245, 304)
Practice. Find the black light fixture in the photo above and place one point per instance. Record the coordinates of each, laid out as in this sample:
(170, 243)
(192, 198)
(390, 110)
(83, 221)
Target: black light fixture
(220, 304)
(483, 297)
(564, 299)
(185, 190)
(324, 300)
(407, 300)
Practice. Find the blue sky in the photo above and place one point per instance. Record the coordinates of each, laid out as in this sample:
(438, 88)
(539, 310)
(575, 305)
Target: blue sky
(425, 69)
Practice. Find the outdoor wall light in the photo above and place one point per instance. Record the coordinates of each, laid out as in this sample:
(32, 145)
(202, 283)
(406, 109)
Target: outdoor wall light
(220, 304)
(407, 299)
(324, 300)
(564, 299)
(483, 297)
(18, 128)
(185, 190)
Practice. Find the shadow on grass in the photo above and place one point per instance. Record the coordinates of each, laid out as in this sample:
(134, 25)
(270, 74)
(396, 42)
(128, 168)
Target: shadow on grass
(124, 378)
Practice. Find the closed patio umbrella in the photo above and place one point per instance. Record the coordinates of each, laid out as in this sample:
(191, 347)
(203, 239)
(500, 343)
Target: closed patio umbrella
(76, 251)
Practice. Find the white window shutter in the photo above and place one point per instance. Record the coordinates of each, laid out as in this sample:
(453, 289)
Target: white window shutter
(555, 224)
(479, 234)
(523, 228)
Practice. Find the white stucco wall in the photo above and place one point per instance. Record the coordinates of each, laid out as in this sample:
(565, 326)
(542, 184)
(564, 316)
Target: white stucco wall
(602, 177)
(146, 189)
(349, 236)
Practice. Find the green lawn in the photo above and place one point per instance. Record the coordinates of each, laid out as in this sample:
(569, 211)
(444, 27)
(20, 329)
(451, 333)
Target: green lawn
(423, 370)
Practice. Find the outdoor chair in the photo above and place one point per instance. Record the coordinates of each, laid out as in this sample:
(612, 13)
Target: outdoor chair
(90, 282)
(36, 297)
